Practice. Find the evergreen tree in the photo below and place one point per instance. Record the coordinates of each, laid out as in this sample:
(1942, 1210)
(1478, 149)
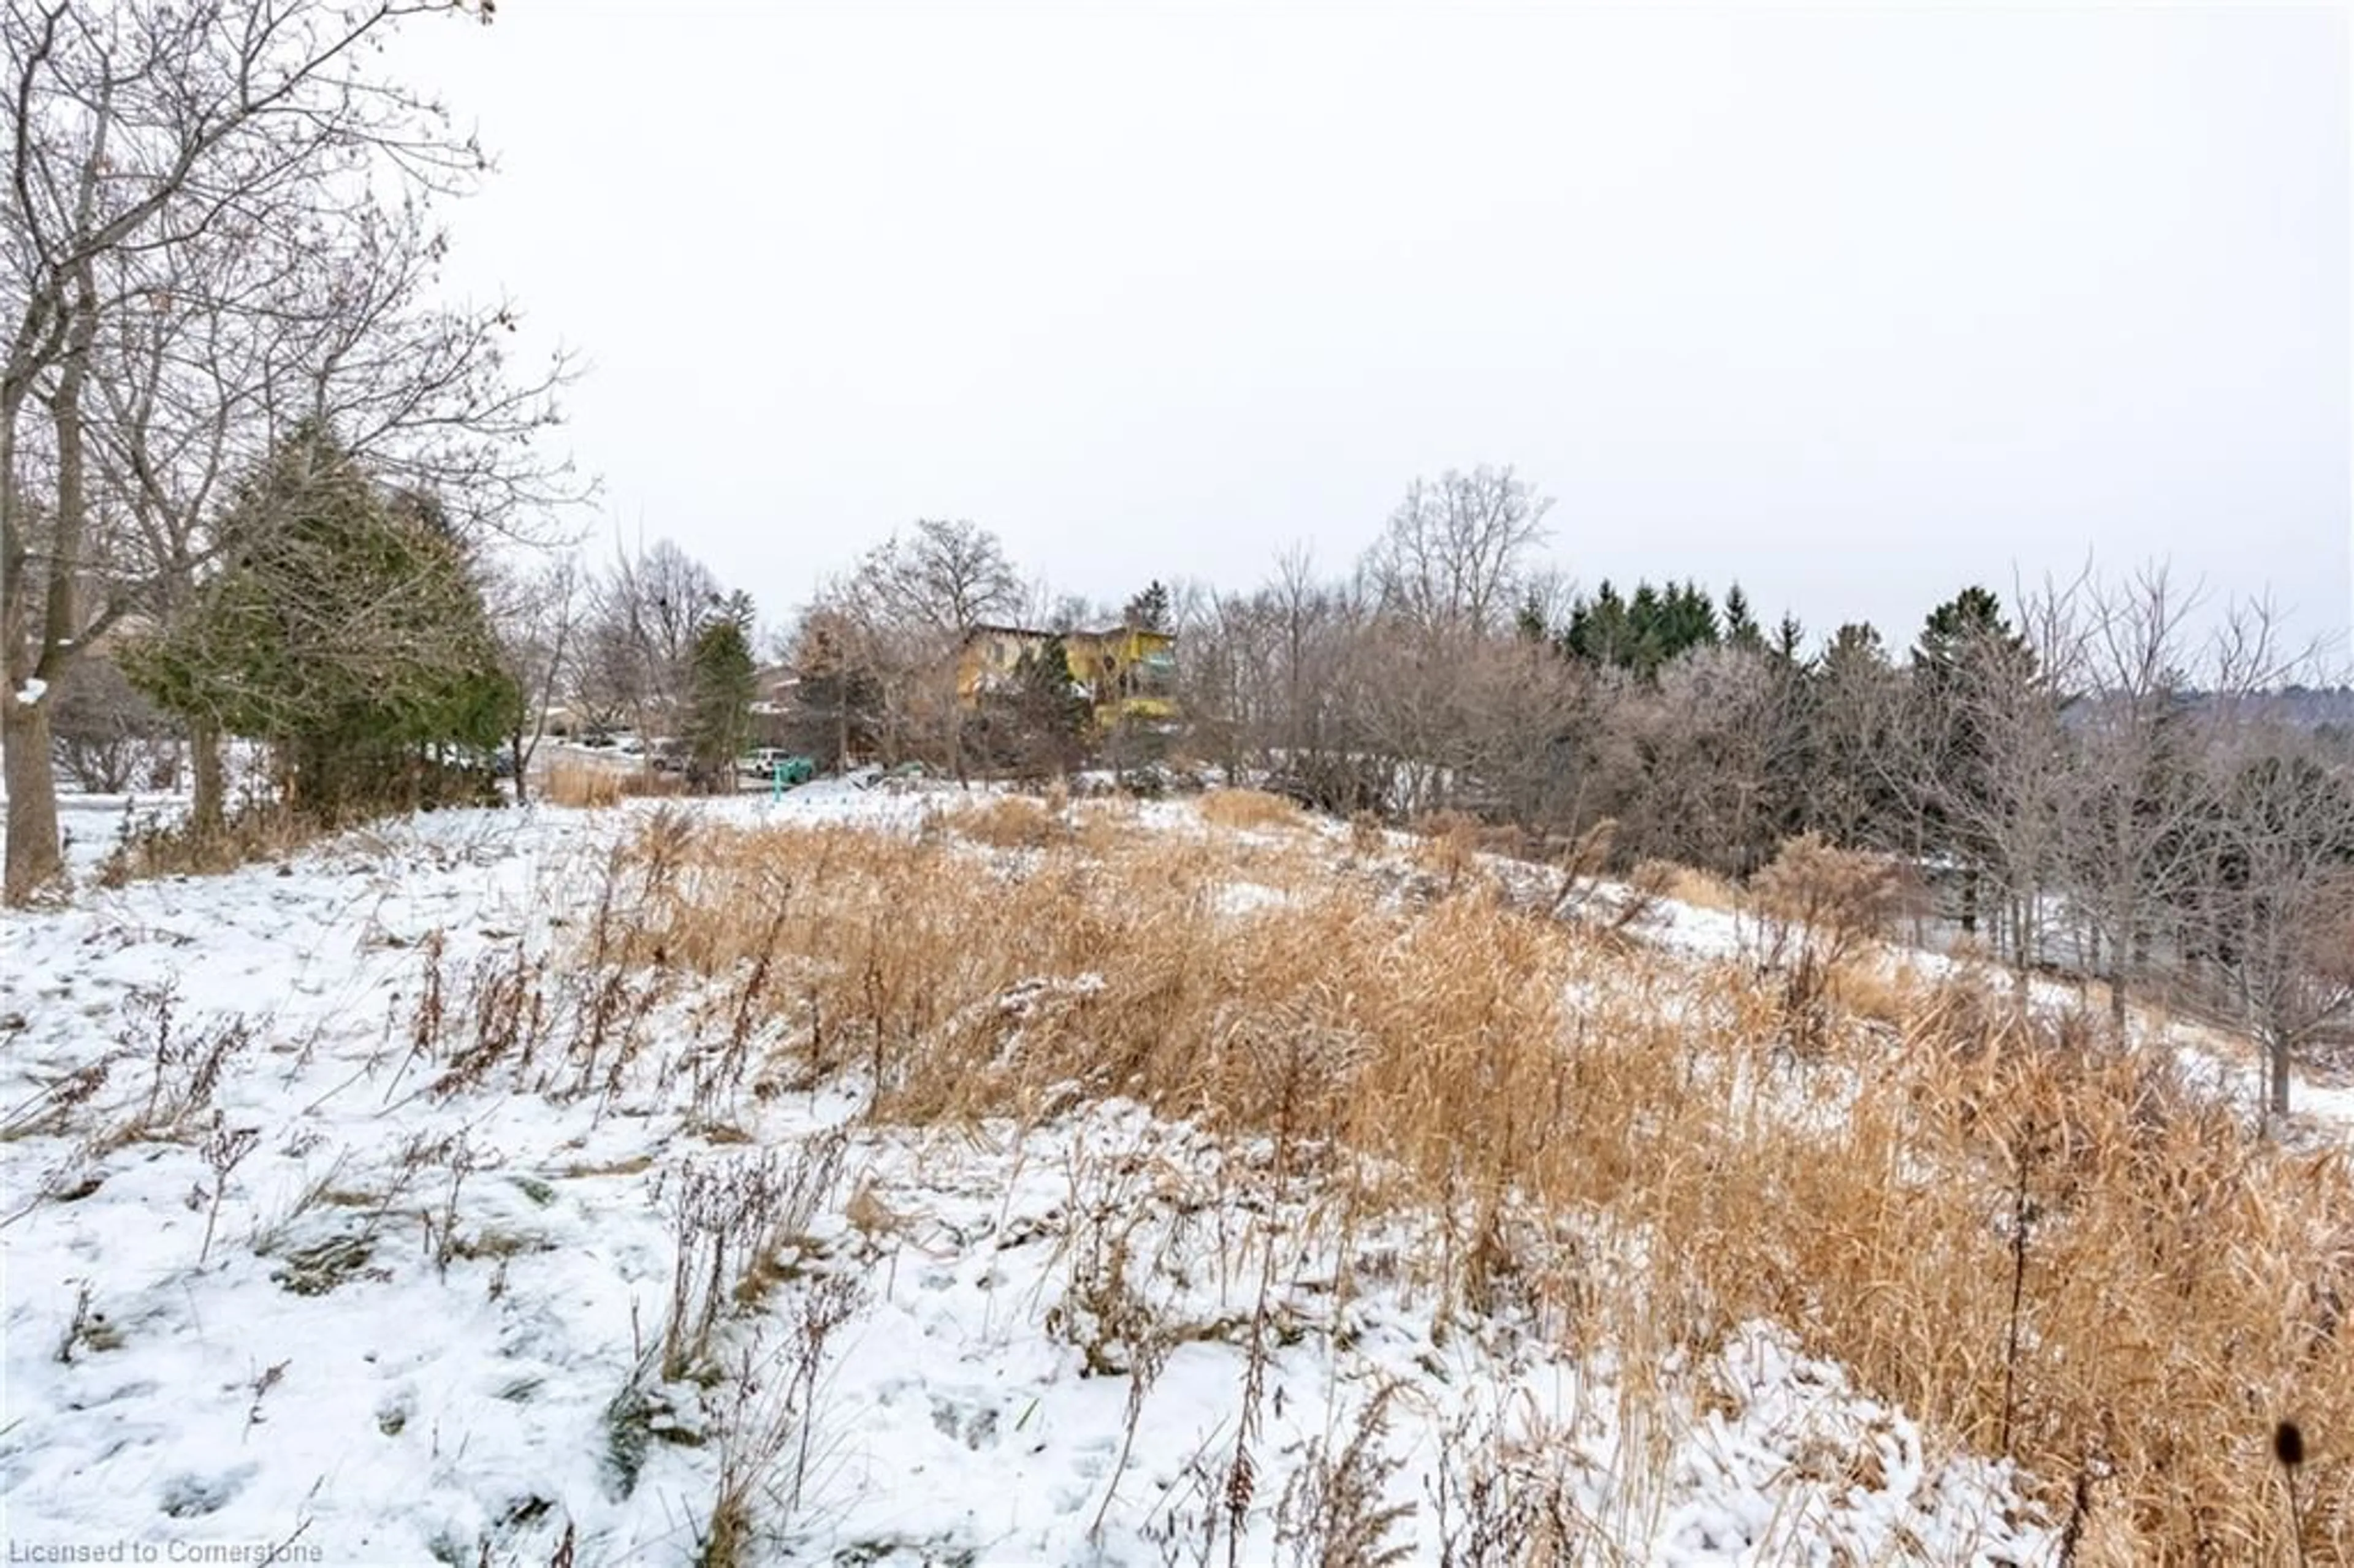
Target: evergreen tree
(1598, 630)
(346, 629)
(1053, 709)
(1529, 620)
(1645, 653)
(1642, 633)
(1741, 628)
(838, 695)
(1149, 610)
(1789, 641)
(723, 683)
(1687, 620)
(1853, 742)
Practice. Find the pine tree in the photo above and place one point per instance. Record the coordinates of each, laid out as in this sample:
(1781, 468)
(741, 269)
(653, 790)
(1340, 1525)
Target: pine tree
(1149, 610)
(1529, 620)
(723, 683)
(1599, 631)
(838, 696)
(1642, 633)
(1687, 620)
(1741, 628)
(1050, 713)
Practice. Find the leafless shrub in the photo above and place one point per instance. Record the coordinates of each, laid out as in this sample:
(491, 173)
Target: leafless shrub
(1500, 1504)
(726, 1214)
(767, 1429)
(105, 734)
(1334, 1512)
(185, 1065)
(506, 1009)
(1823, 900)
(224, 1149)
(1818, 904)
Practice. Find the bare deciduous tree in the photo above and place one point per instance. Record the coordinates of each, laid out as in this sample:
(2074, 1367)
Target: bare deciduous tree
(2150, 694)
(636, 638)
(1452, 554)
(535, 617)
(914, 599)
(2275, 847)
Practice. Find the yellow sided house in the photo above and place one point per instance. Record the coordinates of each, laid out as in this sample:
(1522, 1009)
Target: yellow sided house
(1129, 672)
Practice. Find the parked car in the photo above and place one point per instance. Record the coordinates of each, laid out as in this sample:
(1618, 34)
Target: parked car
(774, 764)
(669, 756)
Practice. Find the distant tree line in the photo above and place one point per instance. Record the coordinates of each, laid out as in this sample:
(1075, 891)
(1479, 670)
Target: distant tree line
(2086, 777)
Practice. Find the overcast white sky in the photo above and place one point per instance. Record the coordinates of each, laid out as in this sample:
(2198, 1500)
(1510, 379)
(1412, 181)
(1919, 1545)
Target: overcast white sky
(1853, 305)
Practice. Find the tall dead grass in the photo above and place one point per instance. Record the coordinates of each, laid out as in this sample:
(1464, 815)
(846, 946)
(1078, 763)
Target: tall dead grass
(568, 782)
(584, 784)
(260, 831)
(1249, 809)
(2038, 1246)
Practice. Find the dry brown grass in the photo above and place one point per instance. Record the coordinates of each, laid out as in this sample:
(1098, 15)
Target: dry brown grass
(644, 783)
(570, 782)
(1448, 845)
(1688, 884)
(1249, 809)
(1011, 821)
(1645, 1165)
(585, 784)
(258, 833)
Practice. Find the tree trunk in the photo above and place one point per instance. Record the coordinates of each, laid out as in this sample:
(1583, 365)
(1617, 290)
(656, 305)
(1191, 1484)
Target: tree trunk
(2276, 1057)
(517, 752)
(35, 860)
(34, 855)
(208, 811)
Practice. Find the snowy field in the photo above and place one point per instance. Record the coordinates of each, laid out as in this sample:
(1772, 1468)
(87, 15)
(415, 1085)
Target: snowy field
(273, 1284)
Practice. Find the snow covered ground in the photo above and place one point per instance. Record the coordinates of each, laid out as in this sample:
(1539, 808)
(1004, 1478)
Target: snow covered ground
(274, 1280)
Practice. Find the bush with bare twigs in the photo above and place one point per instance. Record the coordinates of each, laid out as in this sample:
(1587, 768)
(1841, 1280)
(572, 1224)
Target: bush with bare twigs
(1817, 907)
